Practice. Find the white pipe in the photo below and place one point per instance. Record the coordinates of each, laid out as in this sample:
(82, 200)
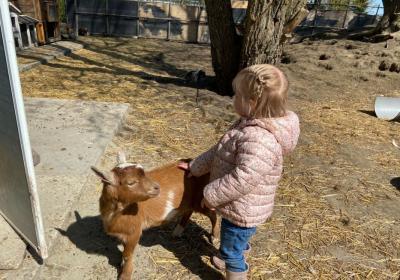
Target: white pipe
(387, 108)
(13, 72)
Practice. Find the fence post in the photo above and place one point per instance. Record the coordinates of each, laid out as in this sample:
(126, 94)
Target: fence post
(76, 19)
(138, 19)
(315, 16)
(376, 14)
(107, 20)
(66, 12)
(169, 20)
(200, 9)
(345, 14)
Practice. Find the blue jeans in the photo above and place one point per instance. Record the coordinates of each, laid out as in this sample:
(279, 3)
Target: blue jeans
(234, 240)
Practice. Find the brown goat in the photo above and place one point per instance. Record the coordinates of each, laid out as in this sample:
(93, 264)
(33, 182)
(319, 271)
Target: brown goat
(134, 200)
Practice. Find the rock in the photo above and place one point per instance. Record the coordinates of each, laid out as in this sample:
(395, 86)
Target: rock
(36, 157)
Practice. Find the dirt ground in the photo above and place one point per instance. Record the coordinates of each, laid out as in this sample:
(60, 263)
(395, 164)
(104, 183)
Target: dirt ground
(337, 213)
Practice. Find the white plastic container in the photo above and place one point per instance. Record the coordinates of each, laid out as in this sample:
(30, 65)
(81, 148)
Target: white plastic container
(387, 108)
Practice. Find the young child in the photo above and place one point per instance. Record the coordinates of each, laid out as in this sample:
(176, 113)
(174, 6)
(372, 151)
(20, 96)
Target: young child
(246, 164)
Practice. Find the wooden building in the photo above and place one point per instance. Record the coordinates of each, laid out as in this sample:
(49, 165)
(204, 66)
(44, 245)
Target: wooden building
(46, 14)
(24, 28)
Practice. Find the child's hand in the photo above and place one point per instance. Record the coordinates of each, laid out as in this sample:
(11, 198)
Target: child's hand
(185, 166)
(204, 204)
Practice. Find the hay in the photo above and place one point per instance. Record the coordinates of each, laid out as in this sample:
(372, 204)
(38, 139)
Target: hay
(333, 217)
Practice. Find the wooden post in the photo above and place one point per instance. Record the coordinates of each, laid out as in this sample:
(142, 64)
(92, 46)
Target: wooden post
(345, 14)
(18, 30)
(35, 35)
(315, 16)
(138, 19)
(376, 14)
(76, 19)
(28, 35)
(40, 33)
(200, 9)
(107, 20)
(169, 20)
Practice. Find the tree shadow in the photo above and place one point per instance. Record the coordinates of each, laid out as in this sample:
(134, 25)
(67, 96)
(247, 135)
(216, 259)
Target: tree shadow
(88, 235)
(154, 62)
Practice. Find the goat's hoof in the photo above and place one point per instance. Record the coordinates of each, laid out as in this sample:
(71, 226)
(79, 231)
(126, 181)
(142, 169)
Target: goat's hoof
(178, 231)
(124, 277)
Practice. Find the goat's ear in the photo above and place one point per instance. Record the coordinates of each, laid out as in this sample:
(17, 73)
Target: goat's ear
(102, 176)
(121, 158)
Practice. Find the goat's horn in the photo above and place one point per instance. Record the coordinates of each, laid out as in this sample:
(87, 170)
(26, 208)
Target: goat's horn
(121, 157)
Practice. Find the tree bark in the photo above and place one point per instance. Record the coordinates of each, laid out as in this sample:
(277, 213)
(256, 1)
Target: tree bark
(225, 43)
(265, 23)
(263, 37)
(390, 21)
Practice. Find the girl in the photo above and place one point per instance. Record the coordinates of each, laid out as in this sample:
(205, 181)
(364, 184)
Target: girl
(246, 164)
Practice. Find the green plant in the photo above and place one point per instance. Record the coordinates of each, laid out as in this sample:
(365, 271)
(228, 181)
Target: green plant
(62, 13)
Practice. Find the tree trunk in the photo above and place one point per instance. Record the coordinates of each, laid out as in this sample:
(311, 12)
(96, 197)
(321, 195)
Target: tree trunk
(262, 40)
(390, 21)
(225, 43)
(265, 23)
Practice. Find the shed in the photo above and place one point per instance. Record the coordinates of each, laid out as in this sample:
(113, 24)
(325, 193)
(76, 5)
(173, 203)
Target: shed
(24, 28)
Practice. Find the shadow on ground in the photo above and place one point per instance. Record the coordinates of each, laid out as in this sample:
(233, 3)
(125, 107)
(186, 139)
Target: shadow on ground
(87, 234)
(396, 183)
(155, 62)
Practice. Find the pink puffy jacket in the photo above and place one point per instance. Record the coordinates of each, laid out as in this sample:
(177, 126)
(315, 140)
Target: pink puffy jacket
(246, 166)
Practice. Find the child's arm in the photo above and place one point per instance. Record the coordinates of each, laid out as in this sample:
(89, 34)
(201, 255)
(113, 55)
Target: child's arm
(202, 164)
(254, 161)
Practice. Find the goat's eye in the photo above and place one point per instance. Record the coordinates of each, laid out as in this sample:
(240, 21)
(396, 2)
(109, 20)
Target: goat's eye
(131, 183)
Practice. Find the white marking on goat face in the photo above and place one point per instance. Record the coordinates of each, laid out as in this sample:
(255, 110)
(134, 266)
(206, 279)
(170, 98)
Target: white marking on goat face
(169, 211)
(129, 164)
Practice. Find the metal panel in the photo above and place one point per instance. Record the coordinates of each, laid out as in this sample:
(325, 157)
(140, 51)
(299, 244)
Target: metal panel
(94, 24)
(123, 7)
(91, 6)
(123, 26)
(19, 203)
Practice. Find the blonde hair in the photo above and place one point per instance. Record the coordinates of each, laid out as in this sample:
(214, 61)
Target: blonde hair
(263, 91)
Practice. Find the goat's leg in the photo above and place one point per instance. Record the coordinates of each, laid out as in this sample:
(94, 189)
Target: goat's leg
(212, 215)
(178, 231)
(127, 256)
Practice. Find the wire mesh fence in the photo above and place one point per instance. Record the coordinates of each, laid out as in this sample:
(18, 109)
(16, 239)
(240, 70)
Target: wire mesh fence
(186, 20)
(180, 2)
(183, 20)
(341, 15)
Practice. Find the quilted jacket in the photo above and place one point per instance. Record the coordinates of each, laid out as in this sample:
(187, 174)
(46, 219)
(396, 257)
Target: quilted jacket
(245, 167)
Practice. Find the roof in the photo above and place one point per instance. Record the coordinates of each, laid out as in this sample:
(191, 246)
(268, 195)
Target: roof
(27, 19)
(14, 9)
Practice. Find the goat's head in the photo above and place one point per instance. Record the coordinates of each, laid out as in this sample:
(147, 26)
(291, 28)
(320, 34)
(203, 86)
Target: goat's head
(128, 182)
